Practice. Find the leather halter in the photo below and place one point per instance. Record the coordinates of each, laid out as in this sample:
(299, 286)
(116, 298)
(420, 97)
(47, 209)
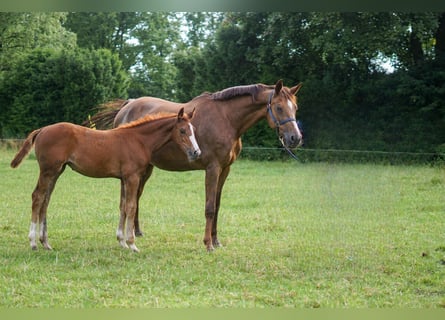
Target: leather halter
(277, 122)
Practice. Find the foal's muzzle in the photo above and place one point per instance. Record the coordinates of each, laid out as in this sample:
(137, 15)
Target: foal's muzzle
(194, 154)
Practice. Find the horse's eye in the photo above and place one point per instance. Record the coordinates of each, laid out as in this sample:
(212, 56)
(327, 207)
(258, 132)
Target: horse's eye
(182, 131)
(279, 109)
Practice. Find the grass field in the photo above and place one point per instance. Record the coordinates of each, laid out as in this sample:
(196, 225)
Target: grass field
(294, 235)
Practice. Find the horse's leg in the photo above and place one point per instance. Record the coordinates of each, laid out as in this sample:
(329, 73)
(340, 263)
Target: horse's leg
(40, 200)
(211, 185)
(131, 199)
(221, 181)
(137, 230)
(120, 229)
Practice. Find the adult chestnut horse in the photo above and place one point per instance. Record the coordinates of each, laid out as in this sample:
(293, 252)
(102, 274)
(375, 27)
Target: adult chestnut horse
(220, 120)
(124, 153)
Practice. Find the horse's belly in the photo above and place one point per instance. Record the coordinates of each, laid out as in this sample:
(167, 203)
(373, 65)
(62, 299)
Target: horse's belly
(172, 158)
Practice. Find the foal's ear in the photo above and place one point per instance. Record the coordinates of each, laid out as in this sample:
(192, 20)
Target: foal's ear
(278, 86)
(295, 89)
(191, 114)
(181, 113)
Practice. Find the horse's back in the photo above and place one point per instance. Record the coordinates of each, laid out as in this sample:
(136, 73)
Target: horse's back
(137, 108)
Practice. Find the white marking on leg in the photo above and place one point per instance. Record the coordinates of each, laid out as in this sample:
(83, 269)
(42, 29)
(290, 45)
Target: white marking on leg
(193, 140)
(120, 237)
(32, 235)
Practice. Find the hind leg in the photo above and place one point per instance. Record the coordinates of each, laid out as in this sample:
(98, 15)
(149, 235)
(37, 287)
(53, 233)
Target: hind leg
(40, 201)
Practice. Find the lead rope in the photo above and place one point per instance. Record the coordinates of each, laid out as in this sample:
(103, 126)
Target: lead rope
(289, 151)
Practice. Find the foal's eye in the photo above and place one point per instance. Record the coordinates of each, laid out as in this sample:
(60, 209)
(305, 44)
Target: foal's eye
(182, 131)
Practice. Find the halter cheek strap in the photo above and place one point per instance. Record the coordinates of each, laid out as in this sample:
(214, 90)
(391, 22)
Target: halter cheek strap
(277, 122)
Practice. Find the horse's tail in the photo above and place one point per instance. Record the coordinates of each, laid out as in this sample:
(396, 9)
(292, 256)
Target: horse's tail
(105, 117)
(26, 148)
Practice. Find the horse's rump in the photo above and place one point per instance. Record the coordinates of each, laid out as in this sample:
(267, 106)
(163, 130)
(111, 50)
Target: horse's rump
(25, 149)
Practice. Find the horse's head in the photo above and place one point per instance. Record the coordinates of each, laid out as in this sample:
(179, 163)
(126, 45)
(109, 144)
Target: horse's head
(184, 135)
(281, 109)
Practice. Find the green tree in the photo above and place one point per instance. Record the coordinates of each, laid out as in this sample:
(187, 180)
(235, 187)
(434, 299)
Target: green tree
(22, 32)
(106, 30)
(49, 86)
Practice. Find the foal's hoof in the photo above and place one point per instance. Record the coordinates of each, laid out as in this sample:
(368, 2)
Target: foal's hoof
(134, 248)
(123, 244)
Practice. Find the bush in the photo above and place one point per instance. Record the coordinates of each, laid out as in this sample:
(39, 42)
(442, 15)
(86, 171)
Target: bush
(48, 86)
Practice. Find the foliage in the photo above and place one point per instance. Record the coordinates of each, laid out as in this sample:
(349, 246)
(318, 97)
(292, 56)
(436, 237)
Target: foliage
(22, 32)
(372, 80)
(305, 236)
(49, 86)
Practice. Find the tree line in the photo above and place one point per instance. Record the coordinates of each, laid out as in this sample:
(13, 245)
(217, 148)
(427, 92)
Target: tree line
(371, 81)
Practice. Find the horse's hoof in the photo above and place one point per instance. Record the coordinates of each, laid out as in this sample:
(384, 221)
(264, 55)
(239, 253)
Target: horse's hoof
(138, 233)
(210, 249)
(134, 248)
(217, 244)
(123, 244)
(34, 248)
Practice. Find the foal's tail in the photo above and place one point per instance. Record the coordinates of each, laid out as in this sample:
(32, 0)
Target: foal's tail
(26, 148)
(105, 117)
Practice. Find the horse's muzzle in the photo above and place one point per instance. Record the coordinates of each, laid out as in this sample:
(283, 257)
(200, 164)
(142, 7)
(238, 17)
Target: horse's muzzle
(292, 141)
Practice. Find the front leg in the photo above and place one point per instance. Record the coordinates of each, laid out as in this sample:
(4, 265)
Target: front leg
(131, 186)
(148, 172)
(221, 181)
(211, 184)
(120, 229)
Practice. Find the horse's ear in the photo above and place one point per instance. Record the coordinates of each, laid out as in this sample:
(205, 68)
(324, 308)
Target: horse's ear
(191, 114)
(181, 113)
(295, 89)
(278, 86)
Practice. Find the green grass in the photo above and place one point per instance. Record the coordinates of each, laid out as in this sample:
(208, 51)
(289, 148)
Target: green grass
(294, 235)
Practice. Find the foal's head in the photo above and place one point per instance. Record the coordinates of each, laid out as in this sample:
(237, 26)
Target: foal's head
(183, 134)
(281, 109)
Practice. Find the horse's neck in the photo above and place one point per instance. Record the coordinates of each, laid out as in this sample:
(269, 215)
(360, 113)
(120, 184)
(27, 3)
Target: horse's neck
(246, 113)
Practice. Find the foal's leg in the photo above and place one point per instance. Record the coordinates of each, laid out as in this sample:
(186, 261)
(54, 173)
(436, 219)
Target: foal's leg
(131, 203)
(137, 229)
(40, 200)
(221, 181)
(129, 191)
(120, 229)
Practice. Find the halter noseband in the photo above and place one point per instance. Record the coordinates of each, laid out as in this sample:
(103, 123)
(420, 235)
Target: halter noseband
(278, 124)
(274, 119)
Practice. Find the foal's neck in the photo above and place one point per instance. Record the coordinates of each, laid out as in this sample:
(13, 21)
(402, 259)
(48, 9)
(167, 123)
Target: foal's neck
(154, 134)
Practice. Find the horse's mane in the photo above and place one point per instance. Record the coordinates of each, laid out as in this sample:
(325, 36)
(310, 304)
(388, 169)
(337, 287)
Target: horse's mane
(147, 118)
(229, 93)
